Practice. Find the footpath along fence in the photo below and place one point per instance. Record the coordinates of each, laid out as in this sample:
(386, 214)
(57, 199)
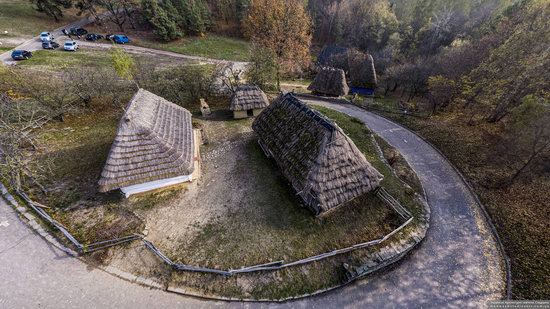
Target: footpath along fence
(381, 193)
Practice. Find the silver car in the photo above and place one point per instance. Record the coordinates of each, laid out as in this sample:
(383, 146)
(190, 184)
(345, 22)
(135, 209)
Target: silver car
(46, 37)
(70, 46)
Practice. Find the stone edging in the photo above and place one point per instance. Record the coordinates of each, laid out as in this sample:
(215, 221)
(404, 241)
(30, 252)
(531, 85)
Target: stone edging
(32, 221)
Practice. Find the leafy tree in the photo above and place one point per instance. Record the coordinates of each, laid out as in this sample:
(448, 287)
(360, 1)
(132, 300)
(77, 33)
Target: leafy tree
(164, 27)
(366, 25)
(184, 84)
(262, 69)
(324, 14)
(518, 65)
(52, 8)
(441, 91)
(529, 133)
(197, 16)
(124, 64)
(282, 27)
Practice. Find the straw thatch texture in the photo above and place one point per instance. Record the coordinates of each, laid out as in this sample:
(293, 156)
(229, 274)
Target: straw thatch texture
(154, 141)
(330, 81)
(248, 97)
(361, 70)
(323, 165)
(334, 56)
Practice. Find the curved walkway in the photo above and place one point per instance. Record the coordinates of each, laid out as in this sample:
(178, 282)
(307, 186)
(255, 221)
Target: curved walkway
(457, 266)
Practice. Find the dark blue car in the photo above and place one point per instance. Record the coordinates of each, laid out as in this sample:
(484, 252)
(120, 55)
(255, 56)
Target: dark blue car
(19, 54)
(120, 39)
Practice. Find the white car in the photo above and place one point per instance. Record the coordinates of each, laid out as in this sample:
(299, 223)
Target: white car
(70, 46)
(46, 37)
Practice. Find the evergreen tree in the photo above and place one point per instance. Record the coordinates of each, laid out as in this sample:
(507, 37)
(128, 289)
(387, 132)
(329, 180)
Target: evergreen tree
(165, 27)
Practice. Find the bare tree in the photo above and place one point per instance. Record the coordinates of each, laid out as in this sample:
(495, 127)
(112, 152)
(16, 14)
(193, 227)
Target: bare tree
(18, 124)
(230, 77)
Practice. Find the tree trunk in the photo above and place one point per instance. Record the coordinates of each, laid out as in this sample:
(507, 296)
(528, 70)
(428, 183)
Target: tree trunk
(525, 165)
(278, 77)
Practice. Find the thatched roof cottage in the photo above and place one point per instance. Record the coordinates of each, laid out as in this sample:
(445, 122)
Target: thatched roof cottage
(323, 165)
(155, 147)
(329, 81)
(248, 101)
(362, 73)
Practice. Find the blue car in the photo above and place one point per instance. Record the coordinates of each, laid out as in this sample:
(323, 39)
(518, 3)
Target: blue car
(120, 39)
(21, 54)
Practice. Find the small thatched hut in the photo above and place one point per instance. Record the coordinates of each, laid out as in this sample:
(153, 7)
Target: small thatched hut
(323, 165)
(155, 147)
(330, 81)
(362, 73)
(248, 101)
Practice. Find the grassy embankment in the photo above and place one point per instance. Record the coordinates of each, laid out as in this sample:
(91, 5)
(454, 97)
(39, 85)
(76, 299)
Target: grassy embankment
(19, 20)
(520, 212)
(210, 46)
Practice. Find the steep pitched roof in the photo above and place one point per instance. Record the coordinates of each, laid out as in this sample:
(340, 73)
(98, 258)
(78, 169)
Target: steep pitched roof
(248, 97)
(323, 165)
(361, 70)
(154, 141)
(330, 81)
(334, 56)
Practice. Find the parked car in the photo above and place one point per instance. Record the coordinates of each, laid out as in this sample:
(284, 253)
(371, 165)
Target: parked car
(78, 31)
(19, 54)
(70, 46)
(93, 37)
(120, 39)
(46, 37)
(109, 37)
(50, 45)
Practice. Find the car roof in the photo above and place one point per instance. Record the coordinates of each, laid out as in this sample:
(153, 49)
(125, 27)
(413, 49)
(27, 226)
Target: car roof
(44, 33)
(70, 42)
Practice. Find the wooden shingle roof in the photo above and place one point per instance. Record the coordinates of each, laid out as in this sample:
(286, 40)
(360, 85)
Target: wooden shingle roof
(154, 141)
(248, 97)
(323, 165)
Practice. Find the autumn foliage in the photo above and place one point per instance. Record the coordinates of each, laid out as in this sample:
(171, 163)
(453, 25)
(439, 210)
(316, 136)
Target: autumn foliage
(284, 28)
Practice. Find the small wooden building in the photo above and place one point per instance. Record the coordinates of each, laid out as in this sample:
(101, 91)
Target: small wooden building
(323, 165)
(362, 73)
(248, 101)
(155, 147)
(330, 82)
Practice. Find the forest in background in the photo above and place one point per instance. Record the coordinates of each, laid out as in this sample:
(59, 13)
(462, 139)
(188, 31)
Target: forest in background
(471, 76)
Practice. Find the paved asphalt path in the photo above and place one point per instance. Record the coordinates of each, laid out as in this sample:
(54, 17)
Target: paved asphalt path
(457, 265)
(35, 43)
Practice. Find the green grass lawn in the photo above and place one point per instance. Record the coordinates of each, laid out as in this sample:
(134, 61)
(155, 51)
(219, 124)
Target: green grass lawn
(19, 19)
(59, 59)
(210, 46)
(240, 238)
